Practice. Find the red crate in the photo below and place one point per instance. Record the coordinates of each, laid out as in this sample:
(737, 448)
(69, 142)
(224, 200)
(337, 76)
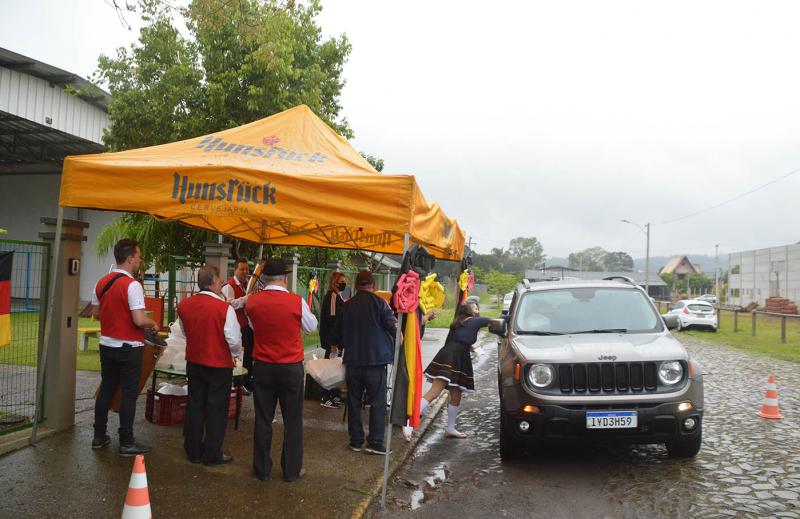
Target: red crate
(165, 409)
(171, 409)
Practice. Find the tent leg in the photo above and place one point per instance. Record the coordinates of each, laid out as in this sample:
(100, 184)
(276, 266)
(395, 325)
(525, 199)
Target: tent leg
(48, 325)
(392, 381)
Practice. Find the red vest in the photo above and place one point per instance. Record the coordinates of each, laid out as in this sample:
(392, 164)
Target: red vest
(203, 319)
(238, 292)
(276, 326)
(116, 320)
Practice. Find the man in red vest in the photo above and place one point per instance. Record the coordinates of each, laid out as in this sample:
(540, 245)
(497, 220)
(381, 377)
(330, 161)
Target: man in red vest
(213, 338)
(235, 292)
(118, 301)
(277, 318)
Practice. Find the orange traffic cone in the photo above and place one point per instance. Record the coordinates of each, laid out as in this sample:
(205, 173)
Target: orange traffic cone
(137, 502)
(770, 407)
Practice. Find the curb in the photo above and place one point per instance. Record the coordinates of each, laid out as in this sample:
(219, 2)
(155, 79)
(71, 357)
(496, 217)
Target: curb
(375, 492)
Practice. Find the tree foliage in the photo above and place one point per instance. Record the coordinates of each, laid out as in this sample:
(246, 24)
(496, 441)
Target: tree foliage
(590, 259)
(500, 283)
(523, 253)
(242, 61)
(527, 249)
(618, 262)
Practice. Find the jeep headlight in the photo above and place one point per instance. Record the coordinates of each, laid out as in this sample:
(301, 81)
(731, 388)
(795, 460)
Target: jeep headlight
(540, 375)
(670, 372)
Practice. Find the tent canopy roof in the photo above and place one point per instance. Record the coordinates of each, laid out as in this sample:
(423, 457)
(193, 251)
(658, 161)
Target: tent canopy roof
(288, 179)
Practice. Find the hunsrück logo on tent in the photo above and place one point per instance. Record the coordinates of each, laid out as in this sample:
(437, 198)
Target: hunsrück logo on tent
(230, 190)
(211, 143)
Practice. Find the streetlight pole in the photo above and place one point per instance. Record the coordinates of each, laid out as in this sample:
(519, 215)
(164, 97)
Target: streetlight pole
(646, 230)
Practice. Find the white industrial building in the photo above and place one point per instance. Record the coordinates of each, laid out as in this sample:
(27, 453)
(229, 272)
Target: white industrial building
(755, 275)
(40, 124)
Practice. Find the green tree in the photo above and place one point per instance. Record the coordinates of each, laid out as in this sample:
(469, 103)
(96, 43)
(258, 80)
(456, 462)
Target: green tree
(590, 259)
(242, 61)
(375, 162)
(500, 283)
(527, 249)
(618, 262)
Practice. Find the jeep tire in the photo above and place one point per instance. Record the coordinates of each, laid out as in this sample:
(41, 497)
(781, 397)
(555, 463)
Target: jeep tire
(685, 448)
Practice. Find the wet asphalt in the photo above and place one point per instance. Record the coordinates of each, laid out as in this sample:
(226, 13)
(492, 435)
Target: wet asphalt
(747, 467)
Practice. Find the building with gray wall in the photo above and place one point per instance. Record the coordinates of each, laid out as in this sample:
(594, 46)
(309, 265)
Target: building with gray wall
(40, 124)
(755, 275)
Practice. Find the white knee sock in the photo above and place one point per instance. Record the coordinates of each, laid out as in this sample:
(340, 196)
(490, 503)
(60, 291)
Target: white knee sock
(452, 414)
(422, 405)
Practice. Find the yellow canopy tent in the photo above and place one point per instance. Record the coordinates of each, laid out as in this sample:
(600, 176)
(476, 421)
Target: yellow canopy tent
(288, 179)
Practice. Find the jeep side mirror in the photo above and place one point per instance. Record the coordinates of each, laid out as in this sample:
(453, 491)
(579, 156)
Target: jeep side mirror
(670, 321)
(498, 327)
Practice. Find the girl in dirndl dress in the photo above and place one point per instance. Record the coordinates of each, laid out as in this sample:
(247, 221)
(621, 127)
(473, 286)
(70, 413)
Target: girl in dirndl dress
(451, 368)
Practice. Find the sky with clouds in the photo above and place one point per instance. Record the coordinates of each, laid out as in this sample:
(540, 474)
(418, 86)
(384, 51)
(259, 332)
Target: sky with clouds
(550, 119)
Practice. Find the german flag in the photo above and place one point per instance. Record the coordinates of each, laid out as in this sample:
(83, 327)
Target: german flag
(6, 259)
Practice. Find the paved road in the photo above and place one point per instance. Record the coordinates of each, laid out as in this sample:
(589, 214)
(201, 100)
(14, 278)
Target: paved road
(748, 467)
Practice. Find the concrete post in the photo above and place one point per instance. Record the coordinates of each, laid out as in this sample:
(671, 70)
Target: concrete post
(292, 261)
(62, 346)
(217, 254)
(334, 265)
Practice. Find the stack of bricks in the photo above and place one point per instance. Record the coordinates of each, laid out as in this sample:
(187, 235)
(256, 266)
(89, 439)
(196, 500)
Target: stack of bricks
(780, 305)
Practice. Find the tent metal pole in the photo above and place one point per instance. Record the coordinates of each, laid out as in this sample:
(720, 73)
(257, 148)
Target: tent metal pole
(48, 326)
(392, 382)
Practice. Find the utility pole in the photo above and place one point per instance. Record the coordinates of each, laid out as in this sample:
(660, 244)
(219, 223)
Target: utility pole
(716, 272)
(469, 244)
(647, 264)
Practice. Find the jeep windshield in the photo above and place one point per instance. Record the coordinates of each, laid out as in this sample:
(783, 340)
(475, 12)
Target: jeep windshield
(585, 310)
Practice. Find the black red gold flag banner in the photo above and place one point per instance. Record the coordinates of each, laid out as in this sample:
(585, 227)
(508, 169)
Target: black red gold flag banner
(6, 260)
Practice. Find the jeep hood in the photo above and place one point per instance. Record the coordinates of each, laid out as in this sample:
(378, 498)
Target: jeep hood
(591, 347)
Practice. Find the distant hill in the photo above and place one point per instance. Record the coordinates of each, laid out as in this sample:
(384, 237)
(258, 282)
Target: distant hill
(656, 262)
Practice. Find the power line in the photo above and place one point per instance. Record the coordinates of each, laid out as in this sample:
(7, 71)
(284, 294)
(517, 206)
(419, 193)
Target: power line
(730, 199)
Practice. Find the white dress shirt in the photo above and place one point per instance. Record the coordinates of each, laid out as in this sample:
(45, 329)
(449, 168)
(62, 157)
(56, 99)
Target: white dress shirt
(233, 333)
(236, 302)
(308, 321)
(135, 302)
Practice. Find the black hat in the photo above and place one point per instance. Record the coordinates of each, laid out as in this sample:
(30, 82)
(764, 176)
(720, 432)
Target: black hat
(274, 267)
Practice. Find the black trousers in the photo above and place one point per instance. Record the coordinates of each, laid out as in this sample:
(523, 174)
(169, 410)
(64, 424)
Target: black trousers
(206, 411)
(273, 383)
(373, 379)
(118, 367)
(247, 359)
(328, 394)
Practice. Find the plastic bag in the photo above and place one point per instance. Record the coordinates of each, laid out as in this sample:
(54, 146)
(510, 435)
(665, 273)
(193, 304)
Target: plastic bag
(328, 373)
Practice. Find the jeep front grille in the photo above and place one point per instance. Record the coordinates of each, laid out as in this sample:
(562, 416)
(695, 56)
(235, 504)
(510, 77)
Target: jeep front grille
(619, 377)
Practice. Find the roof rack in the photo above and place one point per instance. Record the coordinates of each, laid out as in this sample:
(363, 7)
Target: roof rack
(622, 278)
(526, 283)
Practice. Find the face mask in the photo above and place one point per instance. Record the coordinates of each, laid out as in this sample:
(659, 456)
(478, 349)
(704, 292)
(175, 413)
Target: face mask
(341, 286)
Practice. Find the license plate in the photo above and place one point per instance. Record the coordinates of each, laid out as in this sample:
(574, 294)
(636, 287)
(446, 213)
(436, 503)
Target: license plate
(611, 420)
(700, 314)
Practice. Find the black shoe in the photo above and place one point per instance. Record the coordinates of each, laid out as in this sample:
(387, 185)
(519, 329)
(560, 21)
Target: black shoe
(299, 475)
(330, 404)
(226, 458)
(198, 460)
(133, 449)
(99, 443)
(376, 449)
(354, 448)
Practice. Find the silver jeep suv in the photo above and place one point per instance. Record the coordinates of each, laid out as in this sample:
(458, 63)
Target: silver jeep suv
(594, 360)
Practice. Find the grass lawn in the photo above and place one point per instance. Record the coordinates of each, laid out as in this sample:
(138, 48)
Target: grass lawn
(489, 308)
(25, 330)
(766, 342)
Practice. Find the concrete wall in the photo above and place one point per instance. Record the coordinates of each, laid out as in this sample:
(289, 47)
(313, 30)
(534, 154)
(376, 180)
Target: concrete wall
(26, 198)
(763, 273)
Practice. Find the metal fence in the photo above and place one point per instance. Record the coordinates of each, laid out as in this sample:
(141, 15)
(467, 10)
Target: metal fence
(767, 323)
(19, 359)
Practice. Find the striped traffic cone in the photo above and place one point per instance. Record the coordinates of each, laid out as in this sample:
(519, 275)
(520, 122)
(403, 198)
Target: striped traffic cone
(137, 502)
(770, 407)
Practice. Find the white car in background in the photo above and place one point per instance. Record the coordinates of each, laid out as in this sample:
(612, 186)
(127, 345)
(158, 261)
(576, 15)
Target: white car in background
(695, 312)
(507, 302)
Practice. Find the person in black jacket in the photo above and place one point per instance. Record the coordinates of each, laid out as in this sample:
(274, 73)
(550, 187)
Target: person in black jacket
(366, 330)
(331, 309)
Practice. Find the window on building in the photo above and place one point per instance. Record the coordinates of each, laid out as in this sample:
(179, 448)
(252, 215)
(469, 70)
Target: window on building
(734, 292)
(735, 269)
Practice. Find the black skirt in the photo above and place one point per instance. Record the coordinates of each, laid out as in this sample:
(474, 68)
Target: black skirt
(454, 365)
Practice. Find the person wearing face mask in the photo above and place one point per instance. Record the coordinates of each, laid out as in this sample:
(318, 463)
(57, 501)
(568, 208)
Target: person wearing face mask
(331, 307)
(451, 368)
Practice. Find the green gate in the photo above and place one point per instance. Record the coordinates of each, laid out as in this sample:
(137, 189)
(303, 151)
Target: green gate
(30, 275)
